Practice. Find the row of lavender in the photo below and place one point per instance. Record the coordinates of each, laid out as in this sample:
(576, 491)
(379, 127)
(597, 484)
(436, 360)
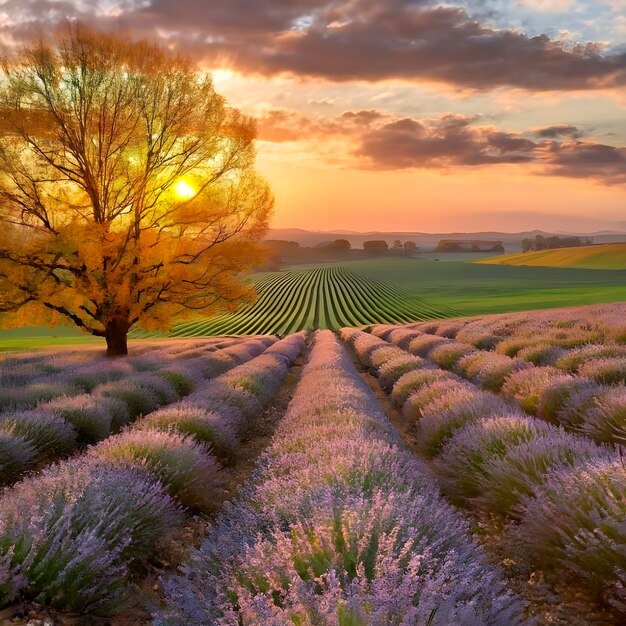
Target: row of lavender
(28, 379)
(339, 524)
(575, 401)
(558, 329)
(75, 536)
(562, 497)
(34, 437)
(586, 340)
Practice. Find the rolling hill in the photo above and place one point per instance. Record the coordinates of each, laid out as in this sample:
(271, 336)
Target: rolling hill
(610, 256)
(313, 298)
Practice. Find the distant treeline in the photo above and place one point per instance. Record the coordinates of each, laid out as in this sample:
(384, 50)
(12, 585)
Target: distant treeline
(469, 245)
(554, 241)
(280, 252)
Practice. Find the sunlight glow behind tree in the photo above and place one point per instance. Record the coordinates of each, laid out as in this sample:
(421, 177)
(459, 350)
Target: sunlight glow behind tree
(128, 193)
(184, 190)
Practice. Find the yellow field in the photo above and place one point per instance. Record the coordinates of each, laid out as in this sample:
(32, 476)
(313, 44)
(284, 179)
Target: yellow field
(609, 256)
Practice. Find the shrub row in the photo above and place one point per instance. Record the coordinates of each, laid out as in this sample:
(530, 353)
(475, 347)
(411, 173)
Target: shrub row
(565, 495)
(567, 339)
(565, 327)
(29, 380)
(338, 525)
(30, 439)
(217, 412)
(591, 401)
(73, 536)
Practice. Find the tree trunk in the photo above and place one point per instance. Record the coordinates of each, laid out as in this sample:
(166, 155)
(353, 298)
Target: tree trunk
(116, 335)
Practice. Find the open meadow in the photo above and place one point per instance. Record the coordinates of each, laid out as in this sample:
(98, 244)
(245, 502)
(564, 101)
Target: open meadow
(354, 293)
(394, 290)
(608, 256)
(461, 471)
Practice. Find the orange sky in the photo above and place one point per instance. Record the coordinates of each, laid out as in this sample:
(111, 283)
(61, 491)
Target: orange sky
(320, 184)
(414, 115)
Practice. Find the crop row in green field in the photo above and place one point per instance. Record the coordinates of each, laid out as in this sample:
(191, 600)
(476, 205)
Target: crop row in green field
(320, 297)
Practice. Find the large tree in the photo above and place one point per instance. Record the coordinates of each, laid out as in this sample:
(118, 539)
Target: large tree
(127, 188)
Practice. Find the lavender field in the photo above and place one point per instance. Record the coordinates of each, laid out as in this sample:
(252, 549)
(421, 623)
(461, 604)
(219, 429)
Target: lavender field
(450, 472)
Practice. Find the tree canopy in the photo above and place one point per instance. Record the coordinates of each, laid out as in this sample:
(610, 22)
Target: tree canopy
(128, 193)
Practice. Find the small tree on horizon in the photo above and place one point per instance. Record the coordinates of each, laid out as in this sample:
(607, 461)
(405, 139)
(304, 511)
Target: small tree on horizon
(410, 247)
(128, 194)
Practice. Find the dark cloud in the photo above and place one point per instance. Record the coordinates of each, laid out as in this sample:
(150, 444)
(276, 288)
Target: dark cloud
(559, 130)
(344, 40)
(445, 142)
(384, 142)
(454, 142)
(580, 159)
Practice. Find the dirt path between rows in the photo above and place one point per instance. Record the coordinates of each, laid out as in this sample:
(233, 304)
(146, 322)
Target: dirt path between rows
(176, 552)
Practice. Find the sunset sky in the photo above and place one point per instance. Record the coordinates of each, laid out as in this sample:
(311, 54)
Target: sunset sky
(406, 114)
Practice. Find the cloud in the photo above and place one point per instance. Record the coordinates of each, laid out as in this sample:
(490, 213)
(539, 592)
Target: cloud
(580, 159)
(346, 40)
(558, 130)
(375, 140)
(448, 141)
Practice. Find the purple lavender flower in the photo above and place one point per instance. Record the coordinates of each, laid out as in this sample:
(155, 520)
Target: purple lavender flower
(575, 520)
(320, 536)
(69, 536)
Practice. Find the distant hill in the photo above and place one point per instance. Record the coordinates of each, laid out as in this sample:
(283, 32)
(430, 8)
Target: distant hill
(610, 256)
(512, 242)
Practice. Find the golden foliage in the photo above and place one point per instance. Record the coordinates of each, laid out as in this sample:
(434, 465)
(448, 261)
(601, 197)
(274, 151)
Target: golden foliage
(95, 135)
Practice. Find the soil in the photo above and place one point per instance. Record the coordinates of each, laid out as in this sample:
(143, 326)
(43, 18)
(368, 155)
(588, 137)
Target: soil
(149, 591)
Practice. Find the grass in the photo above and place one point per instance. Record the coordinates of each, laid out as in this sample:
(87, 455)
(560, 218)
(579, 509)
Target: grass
(391, 290)
(378, 290)
(608, 256)
(318, 297)
(29, 337)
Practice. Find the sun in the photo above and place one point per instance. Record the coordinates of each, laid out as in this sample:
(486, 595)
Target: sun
(184, 190)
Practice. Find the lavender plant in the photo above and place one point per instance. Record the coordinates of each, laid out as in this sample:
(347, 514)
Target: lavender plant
(422, 345)
(556, 394)
(183, 466)
(413, 381)
(17, 455)
(89, 376)
(607, 371)
(575, 522)
(518, 474)
(526, 386)
(138, 399)
(604, 418)
(89, 415)
(490, 369)
(318, 536)
(49, 435)
(190, 419)
(393, 369)
(435, 391)
(69, 538)
(447, 355)
(464, 458)
(28, 396)
(442, 417)
(541, 353)
(572, 360)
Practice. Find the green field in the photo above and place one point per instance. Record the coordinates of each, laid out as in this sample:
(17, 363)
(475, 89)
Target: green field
(30, 337)
(330, 296)
(608, 256)
(382, 290)
(474, 289)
